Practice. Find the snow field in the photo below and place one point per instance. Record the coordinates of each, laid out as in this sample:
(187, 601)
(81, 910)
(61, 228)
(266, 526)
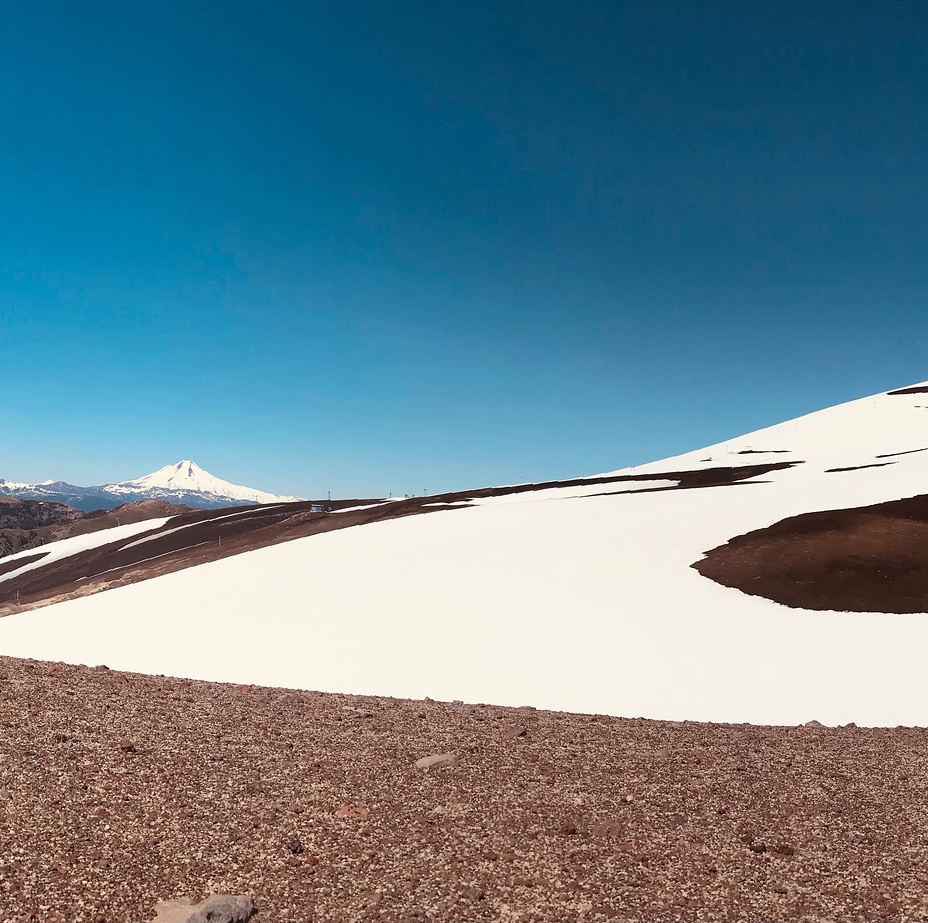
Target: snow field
(587, 604)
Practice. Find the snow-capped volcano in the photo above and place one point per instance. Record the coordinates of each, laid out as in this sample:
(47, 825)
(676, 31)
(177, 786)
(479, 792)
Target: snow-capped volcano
(186, 478)
(185, 475)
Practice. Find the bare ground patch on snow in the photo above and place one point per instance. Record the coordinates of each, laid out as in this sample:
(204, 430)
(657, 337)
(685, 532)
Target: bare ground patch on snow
(866, 559)
(915, 389)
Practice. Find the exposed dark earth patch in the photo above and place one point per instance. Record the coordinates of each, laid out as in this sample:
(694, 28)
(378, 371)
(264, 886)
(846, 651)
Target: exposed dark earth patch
(7, 566)
(207, 535)
(710, 477)
(26, 524)
(858, 467)
(719, 477)
(895, 454)
(701, 477)
(918, 389)
(867, 559)
(764, 451)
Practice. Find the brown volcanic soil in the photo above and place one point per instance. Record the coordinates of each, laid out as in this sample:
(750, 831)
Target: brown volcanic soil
(199, 536)
(33, 514)
(23, 522)
(28, 524)
(120, 790)
(868, 559)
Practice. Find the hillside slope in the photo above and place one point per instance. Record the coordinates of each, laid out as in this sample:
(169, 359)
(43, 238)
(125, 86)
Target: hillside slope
(28, 524)
(24, 523)
(576, 595)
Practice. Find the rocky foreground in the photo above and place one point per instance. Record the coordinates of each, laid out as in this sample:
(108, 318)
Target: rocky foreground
(120, 791)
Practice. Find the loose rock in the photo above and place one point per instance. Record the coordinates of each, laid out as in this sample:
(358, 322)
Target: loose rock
(224, 908)
(437, 761)
(606, 828)
(353, 810)
(294, 845)
(219, 908)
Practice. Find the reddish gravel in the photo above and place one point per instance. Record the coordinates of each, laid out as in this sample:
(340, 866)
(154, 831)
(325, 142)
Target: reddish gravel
(119, 790)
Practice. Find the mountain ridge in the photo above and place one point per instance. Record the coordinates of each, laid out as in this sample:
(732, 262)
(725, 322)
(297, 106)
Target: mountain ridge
(184, 483)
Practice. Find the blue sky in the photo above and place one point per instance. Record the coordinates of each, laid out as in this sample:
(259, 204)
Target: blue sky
(388, 247)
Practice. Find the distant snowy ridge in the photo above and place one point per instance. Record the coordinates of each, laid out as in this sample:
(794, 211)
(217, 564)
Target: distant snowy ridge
(184, 482)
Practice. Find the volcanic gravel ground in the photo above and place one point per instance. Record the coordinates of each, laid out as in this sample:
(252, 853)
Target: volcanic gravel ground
(119, 790)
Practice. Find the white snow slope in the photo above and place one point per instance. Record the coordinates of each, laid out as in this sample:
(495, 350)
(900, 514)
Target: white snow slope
(188, 477)
(569, 601)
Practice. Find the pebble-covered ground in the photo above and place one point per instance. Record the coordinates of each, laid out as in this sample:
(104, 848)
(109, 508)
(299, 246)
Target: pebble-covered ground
(119, 790)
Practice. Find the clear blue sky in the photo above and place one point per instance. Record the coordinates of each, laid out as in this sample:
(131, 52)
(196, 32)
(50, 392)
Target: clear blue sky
(395, 246)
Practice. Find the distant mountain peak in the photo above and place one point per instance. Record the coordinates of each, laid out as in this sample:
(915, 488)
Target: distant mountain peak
(185, 477)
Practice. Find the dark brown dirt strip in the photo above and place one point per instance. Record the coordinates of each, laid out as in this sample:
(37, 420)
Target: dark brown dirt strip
(907, 452)
(867, 559)
(26, 524)
(7, 566)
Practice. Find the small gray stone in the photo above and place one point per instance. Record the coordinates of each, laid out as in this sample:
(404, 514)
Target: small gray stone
(438, 760)
(218, 908)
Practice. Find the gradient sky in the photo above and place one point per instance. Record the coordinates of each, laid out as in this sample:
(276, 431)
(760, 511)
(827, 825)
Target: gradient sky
(394, 246)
